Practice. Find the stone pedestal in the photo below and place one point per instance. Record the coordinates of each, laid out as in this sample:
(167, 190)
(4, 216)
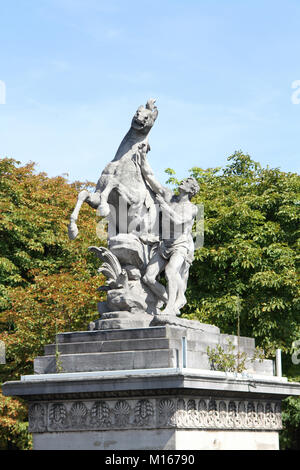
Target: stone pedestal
(150, 389)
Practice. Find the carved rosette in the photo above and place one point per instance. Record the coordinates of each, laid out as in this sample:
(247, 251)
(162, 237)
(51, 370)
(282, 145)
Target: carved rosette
(155, 413)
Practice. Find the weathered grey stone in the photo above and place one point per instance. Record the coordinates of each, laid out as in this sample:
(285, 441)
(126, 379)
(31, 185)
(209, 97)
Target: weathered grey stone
(100, 347)
(157, 410)
(159, 320)
(121, 360)
(120, 315)
(111, 346)
(175, 252)
(119, 323)
(149, 229)
(265, 367)
(121, 175)
(154, 396)
(102, 307)
(111, 335)
(142, 382)
(124, 197)
(163, 412)
(123, 320)
(129, 250)
(245, 343)
(162, 439)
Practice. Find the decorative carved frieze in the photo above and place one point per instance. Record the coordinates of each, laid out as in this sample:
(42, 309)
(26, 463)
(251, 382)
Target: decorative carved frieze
(58, 416)
(152, 413)
(143, 413)
(100, 415)
(37, 415)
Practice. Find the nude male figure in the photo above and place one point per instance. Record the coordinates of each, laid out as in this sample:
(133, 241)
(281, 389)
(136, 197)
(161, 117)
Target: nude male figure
(176, 249)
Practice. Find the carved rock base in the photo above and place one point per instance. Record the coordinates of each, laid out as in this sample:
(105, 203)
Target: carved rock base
(167, 422)
(122, 320)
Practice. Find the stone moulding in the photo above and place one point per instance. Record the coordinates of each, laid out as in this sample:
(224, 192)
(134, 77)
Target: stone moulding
(154, 413)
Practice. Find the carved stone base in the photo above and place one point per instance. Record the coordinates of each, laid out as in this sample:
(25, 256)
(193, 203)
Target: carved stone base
(174, 342)
(149, 388)
(182, 412)
(161, 320)
(182, 422)
(122, 320)
(166, 409)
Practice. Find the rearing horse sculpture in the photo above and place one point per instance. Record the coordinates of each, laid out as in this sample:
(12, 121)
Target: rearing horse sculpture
(122, 176)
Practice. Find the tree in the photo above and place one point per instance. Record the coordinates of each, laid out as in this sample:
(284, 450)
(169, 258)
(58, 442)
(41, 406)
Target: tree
(250, 253)
(47, 283)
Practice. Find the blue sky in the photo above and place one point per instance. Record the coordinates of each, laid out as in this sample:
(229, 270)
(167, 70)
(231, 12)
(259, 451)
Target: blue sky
(222, 72)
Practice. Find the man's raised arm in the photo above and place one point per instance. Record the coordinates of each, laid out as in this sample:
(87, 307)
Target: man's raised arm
(154, 184)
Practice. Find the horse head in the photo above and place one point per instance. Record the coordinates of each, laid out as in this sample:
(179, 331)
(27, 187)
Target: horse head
(145, 117)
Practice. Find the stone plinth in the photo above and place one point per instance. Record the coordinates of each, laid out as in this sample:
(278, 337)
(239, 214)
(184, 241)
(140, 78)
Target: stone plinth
(159, 346)
(150, 388)
(153, 409)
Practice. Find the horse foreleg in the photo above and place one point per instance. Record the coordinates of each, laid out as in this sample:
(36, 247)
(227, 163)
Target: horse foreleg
(103, 207)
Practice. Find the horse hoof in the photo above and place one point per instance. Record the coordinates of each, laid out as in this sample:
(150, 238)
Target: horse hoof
(103, 210)
(72, 231)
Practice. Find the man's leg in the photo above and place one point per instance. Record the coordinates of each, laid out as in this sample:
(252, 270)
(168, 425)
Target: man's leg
(181, 299)
(154, 268)
(175, 283)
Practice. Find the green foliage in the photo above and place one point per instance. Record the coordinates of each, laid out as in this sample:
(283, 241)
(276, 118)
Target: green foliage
(13, 425)
(290, 435)
(251, 250)
(34, 215)
(229, 359)
(47, 283)
(226, 360)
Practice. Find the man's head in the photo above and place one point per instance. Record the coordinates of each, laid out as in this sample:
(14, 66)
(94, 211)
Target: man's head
(189, 186)
(145, 117)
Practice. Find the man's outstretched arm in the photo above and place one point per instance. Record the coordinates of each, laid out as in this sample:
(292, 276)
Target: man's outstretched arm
(154, 184)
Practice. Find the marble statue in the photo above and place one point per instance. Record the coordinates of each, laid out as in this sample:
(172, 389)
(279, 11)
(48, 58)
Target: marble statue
(175, 252)
(122, 175)
(150, 229)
